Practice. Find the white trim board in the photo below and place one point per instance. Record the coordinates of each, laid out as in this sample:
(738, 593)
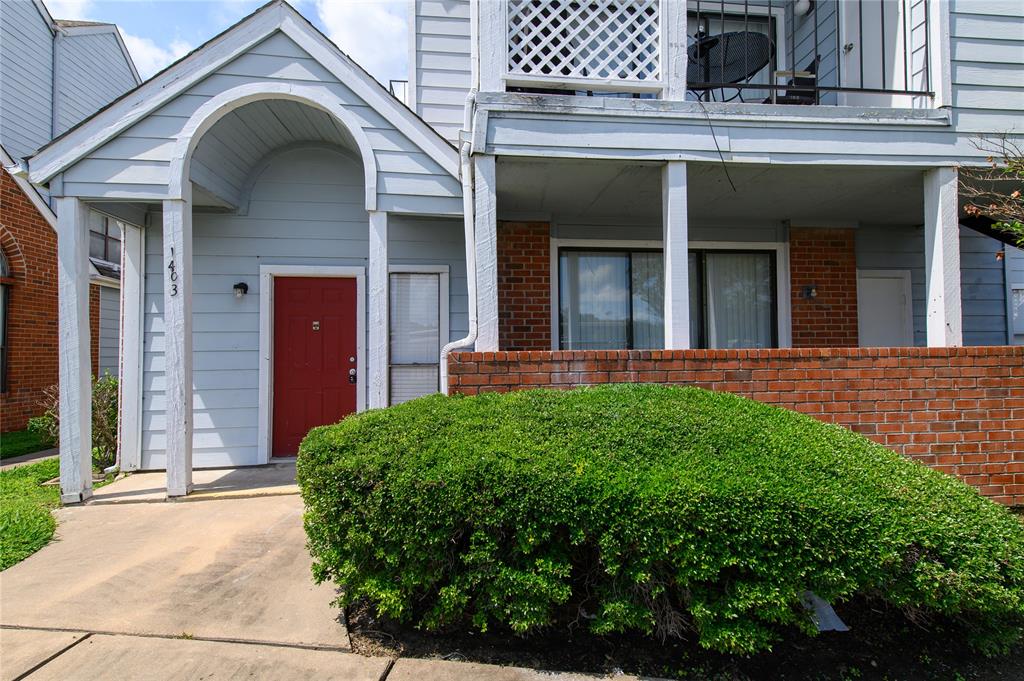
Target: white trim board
(266, 341)
(782, 277)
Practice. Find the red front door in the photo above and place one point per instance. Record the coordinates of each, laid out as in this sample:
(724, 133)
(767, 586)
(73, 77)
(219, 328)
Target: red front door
(314, 353)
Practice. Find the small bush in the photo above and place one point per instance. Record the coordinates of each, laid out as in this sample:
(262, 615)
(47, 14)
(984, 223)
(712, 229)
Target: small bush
(646, 509)
(104, 419)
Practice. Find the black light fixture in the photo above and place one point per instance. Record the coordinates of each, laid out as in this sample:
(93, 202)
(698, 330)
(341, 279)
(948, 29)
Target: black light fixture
(240, 289)
(810, 291)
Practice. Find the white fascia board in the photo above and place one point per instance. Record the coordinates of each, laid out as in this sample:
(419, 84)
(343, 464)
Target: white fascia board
(31, 192)
(151, 95)
(366, 87)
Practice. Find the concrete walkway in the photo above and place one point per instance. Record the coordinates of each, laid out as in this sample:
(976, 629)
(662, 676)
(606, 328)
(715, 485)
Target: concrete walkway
(26, 459)
(211, 590)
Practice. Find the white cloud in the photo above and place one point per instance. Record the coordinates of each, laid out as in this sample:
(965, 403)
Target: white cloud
(69, 9)
(149, 57)
(373, 32)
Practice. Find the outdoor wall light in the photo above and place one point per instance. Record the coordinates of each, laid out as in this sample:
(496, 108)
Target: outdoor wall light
(810, 291)
(802, 7)
(240, 289)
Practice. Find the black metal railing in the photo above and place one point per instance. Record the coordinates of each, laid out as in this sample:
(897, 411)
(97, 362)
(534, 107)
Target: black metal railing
(831, 51)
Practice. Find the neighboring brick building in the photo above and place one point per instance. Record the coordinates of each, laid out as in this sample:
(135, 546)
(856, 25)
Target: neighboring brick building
(28, 323)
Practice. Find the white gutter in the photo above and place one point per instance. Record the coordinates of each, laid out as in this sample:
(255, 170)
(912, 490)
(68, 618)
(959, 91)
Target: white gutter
(468, 215)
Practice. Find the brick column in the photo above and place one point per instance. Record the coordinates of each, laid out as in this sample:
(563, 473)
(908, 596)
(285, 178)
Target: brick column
(524, 286)
(823, 261)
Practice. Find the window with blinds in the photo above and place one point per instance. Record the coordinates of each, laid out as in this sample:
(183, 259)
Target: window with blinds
(415, 343)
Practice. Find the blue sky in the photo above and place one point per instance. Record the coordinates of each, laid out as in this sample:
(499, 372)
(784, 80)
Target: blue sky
(373, 32)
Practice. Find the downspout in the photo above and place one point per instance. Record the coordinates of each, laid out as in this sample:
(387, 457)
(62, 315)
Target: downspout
(468, 214)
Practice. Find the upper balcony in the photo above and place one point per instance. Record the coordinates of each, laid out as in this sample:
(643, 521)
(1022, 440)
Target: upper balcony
(868, 53)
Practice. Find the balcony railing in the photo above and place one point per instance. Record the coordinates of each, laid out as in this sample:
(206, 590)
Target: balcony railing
(868, 52)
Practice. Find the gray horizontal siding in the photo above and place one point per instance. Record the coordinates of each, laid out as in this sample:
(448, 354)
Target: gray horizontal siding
(91, 72)
(987, 53)
(110, 329)
(441, 68)
(983, 300)
(26, 78)
(137, 161)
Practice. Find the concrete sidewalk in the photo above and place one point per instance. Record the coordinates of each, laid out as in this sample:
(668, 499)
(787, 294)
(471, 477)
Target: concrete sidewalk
(27, 459)
(221, 589)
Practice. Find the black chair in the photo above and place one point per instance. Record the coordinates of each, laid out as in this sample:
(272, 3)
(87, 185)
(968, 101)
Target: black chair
(802, 88)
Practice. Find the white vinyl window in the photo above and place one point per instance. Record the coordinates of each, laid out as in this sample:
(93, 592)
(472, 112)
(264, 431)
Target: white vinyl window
(418, 328)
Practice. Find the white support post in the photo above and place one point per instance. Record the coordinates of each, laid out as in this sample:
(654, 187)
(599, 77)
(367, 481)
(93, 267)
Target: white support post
(177, 274)
(673, 49)
(675, 231)
(378, 302)
(129, 437)
(492, 43)
(942, 257)
(75, 360)
(486, 208)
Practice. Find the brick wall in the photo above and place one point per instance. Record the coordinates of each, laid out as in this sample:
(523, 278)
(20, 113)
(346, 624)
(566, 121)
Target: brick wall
(826, 260)
(524, 286)
(959, 410)
(30, 246)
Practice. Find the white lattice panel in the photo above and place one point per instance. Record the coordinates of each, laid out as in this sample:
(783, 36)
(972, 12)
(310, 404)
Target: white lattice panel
(602, 39)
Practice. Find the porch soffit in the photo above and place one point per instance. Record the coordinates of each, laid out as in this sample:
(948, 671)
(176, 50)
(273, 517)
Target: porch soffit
(78, 142)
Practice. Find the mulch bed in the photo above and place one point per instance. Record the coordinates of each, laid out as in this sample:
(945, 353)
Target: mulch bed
(880, 645)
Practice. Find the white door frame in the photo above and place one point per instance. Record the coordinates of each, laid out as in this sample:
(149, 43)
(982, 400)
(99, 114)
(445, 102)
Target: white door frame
(266, 396)
(908, 330)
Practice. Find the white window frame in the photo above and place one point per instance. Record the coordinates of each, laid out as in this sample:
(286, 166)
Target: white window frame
(266, 340)
(782, 291)
(442, 309)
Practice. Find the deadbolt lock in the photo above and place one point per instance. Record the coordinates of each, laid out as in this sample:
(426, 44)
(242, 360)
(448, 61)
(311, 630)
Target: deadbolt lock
(316, 325)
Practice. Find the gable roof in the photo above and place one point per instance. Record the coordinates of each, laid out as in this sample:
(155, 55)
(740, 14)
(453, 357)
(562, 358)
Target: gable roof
(276, 15)
(75, 27)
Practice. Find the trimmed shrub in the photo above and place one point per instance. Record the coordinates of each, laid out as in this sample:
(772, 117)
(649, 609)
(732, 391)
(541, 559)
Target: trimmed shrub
(643, 508)
(104, 419)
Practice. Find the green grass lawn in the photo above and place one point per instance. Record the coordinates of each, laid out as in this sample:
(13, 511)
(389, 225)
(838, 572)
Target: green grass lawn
(20, 442)
(26, 524)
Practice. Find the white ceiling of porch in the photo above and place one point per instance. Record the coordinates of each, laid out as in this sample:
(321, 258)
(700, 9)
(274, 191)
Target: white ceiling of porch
(234, 146)
(598, 190)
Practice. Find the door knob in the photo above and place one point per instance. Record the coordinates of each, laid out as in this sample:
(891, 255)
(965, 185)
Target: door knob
(351, 375)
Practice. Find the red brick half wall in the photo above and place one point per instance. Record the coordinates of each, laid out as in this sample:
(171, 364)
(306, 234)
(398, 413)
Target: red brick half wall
(524, 286)
(959, 410)
(823, 262)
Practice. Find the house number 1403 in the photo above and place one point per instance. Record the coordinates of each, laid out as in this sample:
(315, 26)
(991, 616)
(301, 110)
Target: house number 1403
(173, 276)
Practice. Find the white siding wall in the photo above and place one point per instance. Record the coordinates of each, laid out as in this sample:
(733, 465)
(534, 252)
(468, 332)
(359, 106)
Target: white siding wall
(26, 78)
(441, 62)
(110, 328)
(307, 209)
(91, 72)
(987, 52)
(136, 162)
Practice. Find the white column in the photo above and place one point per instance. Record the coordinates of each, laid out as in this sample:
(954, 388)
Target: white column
(673, 50)
(942, 257)
(377, 371)
(75, 361)
(675, 231)
(130, 427)
(486, 208)
(177, 266)
(492, 44)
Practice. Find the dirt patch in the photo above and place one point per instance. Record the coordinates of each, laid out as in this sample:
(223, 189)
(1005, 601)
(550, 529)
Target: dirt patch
(881, 645)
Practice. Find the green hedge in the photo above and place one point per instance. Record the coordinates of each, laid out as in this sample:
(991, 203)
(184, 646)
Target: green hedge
(646, 508)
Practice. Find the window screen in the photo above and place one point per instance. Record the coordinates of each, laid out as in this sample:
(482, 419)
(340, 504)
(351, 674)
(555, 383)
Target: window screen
(415, 344)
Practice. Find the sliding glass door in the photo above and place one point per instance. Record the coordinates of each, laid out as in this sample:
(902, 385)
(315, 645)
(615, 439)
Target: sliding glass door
(614, 299)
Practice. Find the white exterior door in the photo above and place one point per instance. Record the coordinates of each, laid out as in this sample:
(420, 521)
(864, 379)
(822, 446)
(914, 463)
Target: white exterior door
(884, 308)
